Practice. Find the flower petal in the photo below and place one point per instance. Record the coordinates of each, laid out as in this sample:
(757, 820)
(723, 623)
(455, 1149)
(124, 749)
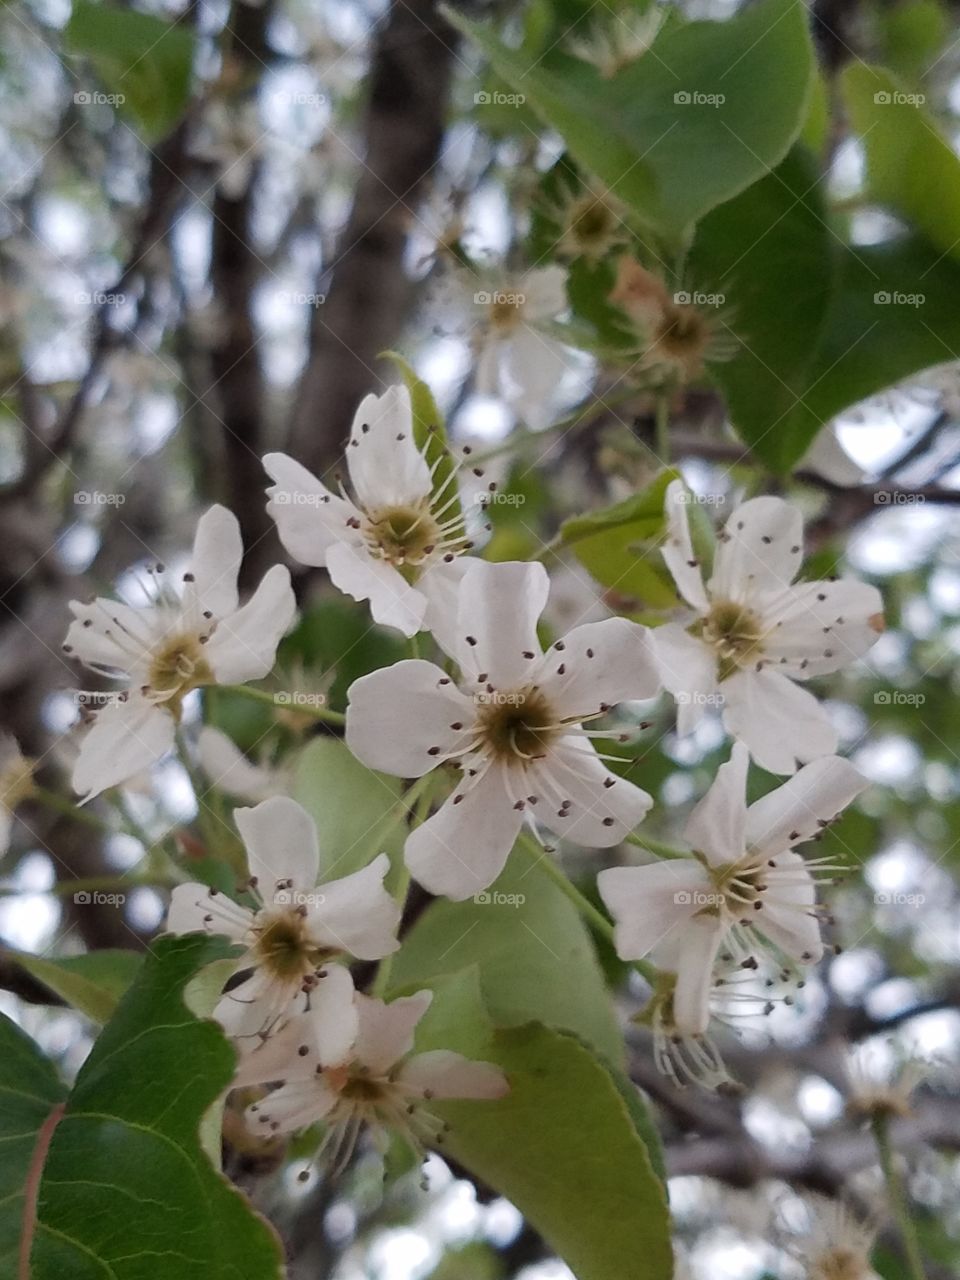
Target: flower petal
(309, 518)
(463, 848)
(356, 914)
(678, 551)
(799, 809)
(581, 799)
(393, 602)
(531, 367)
(440, 583)
(292, 1107)
(822, 626)
(651, 904)
(688, 669)
(215, 563)
(386, 467)
(228, 769)
(126, 737)
(190, 912)
(779, 722)
(400, 719)
(691, 995)
(108, 634)
(760, 549)
(281, 842)
(498, 609)
(386, 1030)
(334, 1016)
(244, 645)
(787, 918)
(716, 826)
(440, 1073)
(598, 665)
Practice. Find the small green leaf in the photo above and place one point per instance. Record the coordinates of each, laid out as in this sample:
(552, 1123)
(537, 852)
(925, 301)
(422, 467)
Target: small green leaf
(92, 983)
(690, 124)
(127, 1190)
(142, 60)
(620, 545)
(354, 808)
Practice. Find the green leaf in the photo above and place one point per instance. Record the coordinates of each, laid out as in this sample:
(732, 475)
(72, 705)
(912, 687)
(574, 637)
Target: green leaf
(92, 983)
(562, 1146)
(354, 808)
(696, 120)
(619, 545)
(910, 166)
(430, 433)
(535, 957)
(29, 1092)
(127, 1191)
(142, 60)
(913, 34)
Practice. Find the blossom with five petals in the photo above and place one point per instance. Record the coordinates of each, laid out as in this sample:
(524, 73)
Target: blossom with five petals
(514, 726)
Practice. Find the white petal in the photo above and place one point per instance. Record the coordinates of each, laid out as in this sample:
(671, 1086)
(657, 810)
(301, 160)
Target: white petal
(400, 718)
(215, 563)
(323, 1035)
(387, 1030)
(716, 826)
(309, 518)
(827, 457)
(779, 722)
(581, 799)
(109, 634)
(190, 908)
(499, 606)
(385, 465)
(228, 768)
(678, 551)
(334, 1015)
(126, 738)
(357, 914)
(688, 669)
(598, 665)
(444, 1074)
(281, 842)
(462, 849)
(440, 583)
(531, 367)
(691, 995)
(649, 904)
(244, 645)
(545, 292)
(787, 917)
(292, 1107)
(393, 602)
(796, 811)
(822, 626)
(760, 550)
(247, 1009)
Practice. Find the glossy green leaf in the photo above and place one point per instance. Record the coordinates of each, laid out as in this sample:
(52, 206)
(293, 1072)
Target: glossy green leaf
(701, 116)
(533, 953)
(354, 808)
(92, 983)
(29, 1092)
(127, 1191)
(910, 166)
(143, 61)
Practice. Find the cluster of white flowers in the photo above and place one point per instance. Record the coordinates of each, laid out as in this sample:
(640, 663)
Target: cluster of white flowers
(515, 728)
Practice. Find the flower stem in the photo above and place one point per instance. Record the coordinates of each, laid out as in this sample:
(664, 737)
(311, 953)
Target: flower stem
(898, 1199)
(71, 809)
(654, 846)
(275, 700)
(419, 795)
(591, 914)
(94, 884)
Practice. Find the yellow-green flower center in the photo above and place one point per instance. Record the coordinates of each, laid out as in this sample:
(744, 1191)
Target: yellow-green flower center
(177, 666)
(284, 948)
(736, 633)
(403, 535)
(516, 726)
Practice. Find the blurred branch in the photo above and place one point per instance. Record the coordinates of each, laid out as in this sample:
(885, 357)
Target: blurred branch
(369, 291)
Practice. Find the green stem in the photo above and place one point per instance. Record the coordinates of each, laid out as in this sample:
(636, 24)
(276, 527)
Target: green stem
(654, 846)
(414, 646)
(898, 1199)
(94, 884)
(591, 914)
(420, 795)
(581, 415)
(662, 428)
(277, 700)
(71, 809)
